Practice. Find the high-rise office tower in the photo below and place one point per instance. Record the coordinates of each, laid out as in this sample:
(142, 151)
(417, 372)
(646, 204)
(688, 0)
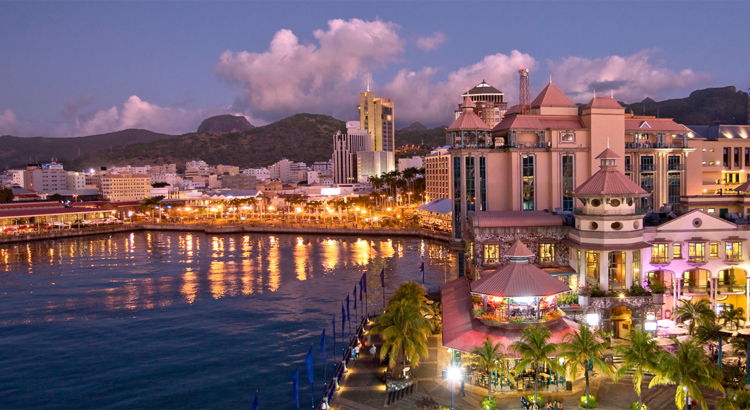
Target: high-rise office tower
(376, 117)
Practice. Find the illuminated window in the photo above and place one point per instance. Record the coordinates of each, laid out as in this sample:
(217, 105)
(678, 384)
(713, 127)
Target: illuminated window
(696, 252)
(711, 210)
(713, 250)
(491, 253)
(546, 252)
(637, 266)
(592, 266)
(659, 253)
(677, 251)
(734, 251)
(617, 270)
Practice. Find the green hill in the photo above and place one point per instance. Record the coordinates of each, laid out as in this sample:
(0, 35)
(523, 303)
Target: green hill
(224, 124)
(17, 152)
(431, 138)
(703, 107)
(301, 137)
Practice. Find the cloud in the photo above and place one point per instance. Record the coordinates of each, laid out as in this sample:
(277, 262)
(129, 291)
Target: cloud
(73, 105)
(632, 78)
(11, 125)
(136, 113)
(418, 97)
(432, 42)
(292, 77)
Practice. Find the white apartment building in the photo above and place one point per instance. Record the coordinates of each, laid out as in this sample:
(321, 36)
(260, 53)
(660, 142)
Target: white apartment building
(414, 162)
(18, 176)
(125, 187)
(129, 169)
(345, 149)
(373, 163)
(259, 173)
(200, 164)
(288, 171)
(46, 178)
(76, 180)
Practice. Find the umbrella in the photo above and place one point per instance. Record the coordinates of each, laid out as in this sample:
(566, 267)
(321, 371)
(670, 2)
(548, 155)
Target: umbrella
(677, 331)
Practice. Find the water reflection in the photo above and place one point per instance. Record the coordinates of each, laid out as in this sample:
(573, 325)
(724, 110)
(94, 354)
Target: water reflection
(151, 270)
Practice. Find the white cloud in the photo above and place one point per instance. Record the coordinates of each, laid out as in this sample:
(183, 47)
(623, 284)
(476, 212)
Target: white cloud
(418, 98)
(136, 113)
(432, 42)
(632, 78)
(11, 125)
(292, 77)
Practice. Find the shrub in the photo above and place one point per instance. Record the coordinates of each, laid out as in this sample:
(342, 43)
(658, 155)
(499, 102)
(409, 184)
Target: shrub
(657, 287)
(638, 290)
(489, 404)
(634, 406)
(598, 293)
(478, 312)
(539, 399)
(476, 300)
(590, 404)
(584, 291)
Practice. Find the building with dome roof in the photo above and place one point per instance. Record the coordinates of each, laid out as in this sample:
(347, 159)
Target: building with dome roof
(489, 102)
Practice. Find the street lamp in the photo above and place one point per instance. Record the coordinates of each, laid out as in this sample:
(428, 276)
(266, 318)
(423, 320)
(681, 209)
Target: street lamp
(685, 389)
(454, 373)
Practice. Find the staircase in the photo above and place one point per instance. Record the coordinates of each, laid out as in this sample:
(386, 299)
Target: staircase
(394, 396)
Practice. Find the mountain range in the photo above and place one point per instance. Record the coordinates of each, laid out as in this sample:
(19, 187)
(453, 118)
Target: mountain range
(301, 137)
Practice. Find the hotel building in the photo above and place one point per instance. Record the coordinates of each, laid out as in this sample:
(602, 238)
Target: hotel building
(125, 187)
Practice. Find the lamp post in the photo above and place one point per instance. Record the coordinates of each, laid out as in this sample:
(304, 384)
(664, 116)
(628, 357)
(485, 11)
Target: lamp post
(685, 389)
(454, 373)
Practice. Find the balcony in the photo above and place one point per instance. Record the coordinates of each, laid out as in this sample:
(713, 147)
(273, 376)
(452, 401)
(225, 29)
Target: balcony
(652, 145)
(647, 167)
(694, 289)
(659, 260)
(733, 289)
(628, 167)
(697, 259)
(676, 167)
(733, 259)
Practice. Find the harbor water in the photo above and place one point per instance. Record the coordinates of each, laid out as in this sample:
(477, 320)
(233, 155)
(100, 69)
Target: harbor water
(186, 320)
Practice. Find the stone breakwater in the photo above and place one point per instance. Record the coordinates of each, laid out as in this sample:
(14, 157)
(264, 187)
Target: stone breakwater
(219, 229)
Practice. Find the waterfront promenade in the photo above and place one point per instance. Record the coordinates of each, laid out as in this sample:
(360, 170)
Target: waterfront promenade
(225, 228)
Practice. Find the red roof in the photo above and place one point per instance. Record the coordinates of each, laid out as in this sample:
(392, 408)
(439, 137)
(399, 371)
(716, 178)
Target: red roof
(468, 120)
(519, 250)
(30, 205)
(744, 187)
(516, 109)
(653, 124)
(540, 122)
(603, 102)
(468, 103)
(462, 332)
(551, 96)
(499, 219)
(608, 154)
(609, 181)
(519, 279)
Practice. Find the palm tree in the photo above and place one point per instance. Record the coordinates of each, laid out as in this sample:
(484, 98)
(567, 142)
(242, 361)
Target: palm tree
(641, 355)
(148, 204)
(491, 358)
(409, 291)
(688, 368)
(535, 348)
(735, 400)
(405, 331)
(696, 312)
(585, 348)
(732, 317)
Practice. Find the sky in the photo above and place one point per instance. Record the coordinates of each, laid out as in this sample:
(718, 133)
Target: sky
(83, 68)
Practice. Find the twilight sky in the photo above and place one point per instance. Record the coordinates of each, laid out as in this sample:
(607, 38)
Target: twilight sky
(81, 68)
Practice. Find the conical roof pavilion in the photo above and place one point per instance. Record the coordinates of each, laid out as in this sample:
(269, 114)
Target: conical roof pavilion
(608, 181)
(519, 278)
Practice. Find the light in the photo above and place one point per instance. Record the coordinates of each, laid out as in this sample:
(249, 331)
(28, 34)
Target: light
(592, 319)
(357, 208)
(270, 208)
(454, 373)
(364, 211)
(299, 210)
(187, 209)
(622, 295)
(389, 209)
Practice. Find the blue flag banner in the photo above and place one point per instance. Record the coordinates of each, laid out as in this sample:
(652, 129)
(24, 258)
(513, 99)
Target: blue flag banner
(343, 320)
(360, 292)
(323, 347)
(295, 387)
(347, 307)
(421, 268)
(382, 278)
(309, 363)
(364, 281)
(355, 297)
(255, 402)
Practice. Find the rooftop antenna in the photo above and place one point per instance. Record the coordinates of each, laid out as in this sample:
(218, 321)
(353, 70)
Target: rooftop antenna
(594, 93)
(607, 142)
(550, 78)
(368, 82)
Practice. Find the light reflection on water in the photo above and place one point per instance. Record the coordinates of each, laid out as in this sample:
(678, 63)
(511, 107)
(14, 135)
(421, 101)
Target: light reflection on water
(155, 320)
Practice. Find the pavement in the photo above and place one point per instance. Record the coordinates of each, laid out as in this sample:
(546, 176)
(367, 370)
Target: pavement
(363, 388)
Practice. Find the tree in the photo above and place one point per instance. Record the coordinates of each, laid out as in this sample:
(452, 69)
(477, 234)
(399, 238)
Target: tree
(732, 317)
(404, 330)
(689, 368)
(696, 312)
(584, 348)
(6, 195)
(641, 355)
(535, 348)
(735, 400)
(55, 197)
(490, 358)
(409, 291)
(148, 204)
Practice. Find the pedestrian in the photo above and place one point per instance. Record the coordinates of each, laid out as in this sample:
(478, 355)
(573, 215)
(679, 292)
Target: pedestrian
(463, 392)
(373, 350)
(560, 405)
(356, 352)
(549, 405)
(524, 402)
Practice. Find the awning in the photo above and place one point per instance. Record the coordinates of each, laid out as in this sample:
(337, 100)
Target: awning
(438, 206)
(558, 270)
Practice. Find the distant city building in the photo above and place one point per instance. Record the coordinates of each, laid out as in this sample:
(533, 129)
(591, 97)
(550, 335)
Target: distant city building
(227, 170)
(490, 104)
(75, 181)
(258, 173)
(313, 177)
(46, 178)
(288, 171)
(414, 162)
(376, 117)
(437, 175)
(374, 163)
(196, 164)
(18, 176)
(323, 167)
(239, 181)
(345, 149)
(125, 187)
